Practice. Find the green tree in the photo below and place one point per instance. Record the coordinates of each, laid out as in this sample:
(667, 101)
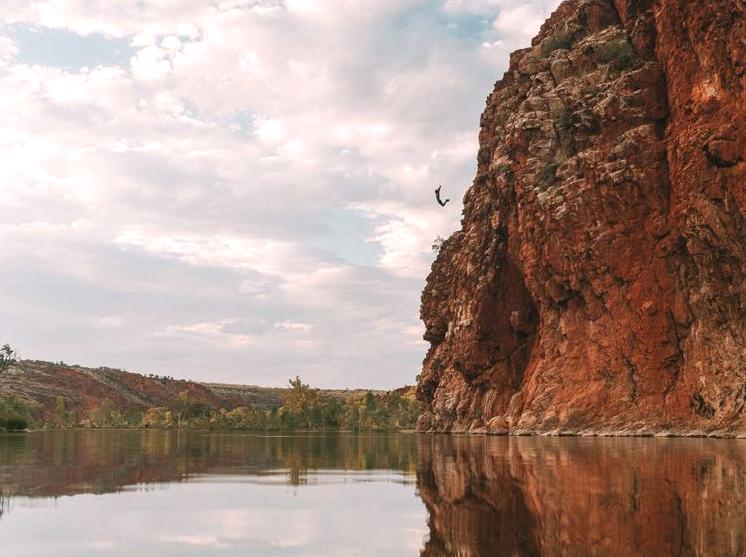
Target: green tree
(8, 357)
(61, 416)
(299, 397)
(106, 415)
(185, 408)
(300, 410)
(17, 414)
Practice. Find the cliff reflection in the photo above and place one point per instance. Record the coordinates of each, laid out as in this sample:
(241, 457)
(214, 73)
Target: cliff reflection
(611, 497)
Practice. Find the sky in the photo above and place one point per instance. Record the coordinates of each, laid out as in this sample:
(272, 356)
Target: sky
(238, 190)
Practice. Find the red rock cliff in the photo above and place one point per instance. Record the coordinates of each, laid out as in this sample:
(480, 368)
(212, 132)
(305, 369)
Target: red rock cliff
(598, 283)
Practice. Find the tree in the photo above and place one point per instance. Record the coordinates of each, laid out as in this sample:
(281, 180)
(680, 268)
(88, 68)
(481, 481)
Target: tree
(61, 417)
(17, 414)
(157, 417)
(106, 415)
(8, 356)
(183, 408)
(299, 397)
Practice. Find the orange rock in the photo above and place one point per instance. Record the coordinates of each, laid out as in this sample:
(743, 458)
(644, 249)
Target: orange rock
(598, 282)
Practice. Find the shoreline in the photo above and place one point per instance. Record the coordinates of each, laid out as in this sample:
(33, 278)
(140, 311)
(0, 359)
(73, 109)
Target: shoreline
(470, 433)
(663, 434)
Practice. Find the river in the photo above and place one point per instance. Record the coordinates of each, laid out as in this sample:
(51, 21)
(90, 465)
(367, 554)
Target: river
(181, 494)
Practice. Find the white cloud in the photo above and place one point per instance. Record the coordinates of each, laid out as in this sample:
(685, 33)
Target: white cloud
(523, 20)
(196, 541)
(294, 327)
(250, 187)
(8, 50)
(210, 332)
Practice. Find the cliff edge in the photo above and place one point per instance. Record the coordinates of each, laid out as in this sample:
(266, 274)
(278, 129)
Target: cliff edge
(598, 282)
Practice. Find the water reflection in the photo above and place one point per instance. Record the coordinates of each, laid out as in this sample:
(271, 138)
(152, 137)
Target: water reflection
(58, 463)
(549, 496)
(166, 494)
(180, 494)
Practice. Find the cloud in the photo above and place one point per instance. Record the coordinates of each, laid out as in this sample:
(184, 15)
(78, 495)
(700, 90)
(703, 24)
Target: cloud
(237, 190)
(196, 541)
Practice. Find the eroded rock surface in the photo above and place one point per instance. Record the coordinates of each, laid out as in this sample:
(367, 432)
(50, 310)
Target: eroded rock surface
(598, 283)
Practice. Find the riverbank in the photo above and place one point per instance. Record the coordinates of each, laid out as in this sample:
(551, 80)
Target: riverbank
(43, 395)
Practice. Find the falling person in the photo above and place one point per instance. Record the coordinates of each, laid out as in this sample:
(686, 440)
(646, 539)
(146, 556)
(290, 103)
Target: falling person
(437, 196)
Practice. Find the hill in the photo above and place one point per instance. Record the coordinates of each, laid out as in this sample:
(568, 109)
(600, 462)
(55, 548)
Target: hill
(83, 389)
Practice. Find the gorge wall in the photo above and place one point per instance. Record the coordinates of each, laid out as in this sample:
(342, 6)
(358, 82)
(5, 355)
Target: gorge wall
(598, 282)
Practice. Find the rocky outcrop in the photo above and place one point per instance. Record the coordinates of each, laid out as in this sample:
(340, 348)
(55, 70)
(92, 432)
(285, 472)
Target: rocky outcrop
(598, 283)
(613, 498)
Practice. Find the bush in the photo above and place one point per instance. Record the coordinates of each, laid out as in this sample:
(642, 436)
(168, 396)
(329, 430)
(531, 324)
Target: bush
(554, 42)
(562, 118)
(620, 55)
(106, 415)
(157, 417)
(16, 414)
(17, 423)
(549, 174)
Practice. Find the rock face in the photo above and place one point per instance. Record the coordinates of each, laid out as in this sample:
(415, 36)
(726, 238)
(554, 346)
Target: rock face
(598, 283)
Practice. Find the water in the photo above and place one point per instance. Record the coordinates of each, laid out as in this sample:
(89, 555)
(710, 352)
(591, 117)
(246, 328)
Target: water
(158, 494)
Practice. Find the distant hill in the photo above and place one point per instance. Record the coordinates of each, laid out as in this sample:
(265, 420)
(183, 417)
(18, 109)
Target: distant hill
(84, 388)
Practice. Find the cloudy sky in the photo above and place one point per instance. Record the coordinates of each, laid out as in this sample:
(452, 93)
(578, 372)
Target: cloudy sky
(237, 190)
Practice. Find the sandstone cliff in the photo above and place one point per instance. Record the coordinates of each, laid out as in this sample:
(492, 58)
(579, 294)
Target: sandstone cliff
(598, 283)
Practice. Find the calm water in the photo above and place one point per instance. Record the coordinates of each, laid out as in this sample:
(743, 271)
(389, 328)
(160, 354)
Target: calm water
(157, 494)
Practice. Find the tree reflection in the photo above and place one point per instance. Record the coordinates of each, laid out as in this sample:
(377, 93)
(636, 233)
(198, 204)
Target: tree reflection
(56, 463)
(4, 504)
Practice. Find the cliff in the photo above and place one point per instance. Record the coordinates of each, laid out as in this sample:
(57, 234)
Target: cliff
(598, 282)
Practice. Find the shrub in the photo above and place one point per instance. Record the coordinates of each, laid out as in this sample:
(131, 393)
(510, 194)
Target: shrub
(549, 174)
(17, 423)
(106, 415)
(620, 55)
(554, 42)
(562, 118)
(16, 414)
(157, 417)
(438, 244)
